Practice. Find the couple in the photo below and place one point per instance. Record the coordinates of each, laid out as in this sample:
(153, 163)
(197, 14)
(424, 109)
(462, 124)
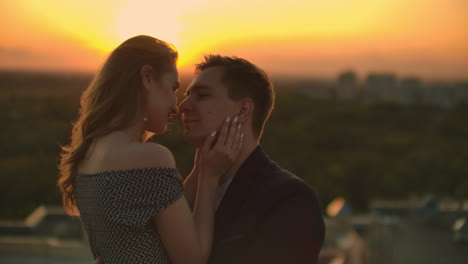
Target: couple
(236, 206)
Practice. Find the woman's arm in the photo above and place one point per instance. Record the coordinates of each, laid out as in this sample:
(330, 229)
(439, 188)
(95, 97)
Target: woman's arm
(182, 235)
(188, 237)
(191, 182)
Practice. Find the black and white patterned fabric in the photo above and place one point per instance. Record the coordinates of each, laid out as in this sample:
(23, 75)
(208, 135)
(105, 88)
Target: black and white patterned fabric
(116, 208)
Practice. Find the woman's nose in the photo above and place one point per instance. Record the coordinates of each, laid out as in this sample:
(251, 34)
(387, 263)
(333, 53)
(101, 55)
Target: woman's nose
(184, 106)
(174, 111)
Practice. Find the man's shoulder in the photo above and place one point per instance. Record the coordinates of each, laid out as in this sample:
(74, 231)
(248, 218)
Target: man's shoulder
(283, 182)
(274, 175)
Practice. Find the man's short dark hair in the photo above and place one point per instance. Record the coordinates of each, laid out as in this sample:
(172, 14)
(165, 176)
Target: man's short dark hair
(244, 80)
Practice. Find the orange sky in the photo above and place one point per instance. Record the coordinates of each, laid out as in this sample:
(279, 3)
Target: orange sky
(428, 38)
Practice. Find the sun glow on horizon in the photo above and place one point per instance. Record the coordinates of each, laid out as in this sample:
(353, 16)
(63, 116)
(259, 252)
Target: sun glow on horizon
(157, 19)
(298, 37)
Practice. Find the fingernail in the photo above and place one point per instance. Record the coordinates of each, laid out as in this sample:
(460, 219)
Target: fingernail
(228, 119)
(235, 119)
(239, 126)
(242, 134)
(213, 133)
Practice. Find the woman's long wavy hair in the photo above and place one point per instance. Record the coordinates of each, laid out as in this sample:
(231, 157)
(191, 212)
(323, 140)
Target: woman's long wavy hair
(111, 102)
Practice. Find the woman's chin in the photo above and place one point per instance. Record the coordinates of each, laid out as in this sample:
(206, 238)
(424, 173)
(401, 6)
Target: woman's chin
(157, 129)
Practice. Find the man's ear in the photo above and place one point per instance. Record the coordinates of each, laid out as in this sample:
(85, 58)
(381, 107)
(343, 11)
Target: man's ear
(146, 76)
(246, 110)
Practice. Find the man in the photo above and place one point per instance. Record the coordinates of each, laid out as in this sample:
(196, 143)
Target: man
(265, 214)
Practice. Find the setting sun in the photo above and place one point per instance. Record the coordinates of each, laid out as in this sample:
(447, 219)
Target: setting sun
(151, 18)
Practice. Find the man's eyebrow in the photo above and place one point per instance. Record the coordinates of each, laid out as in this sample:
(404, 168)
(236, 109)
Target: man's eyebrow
(197, 88)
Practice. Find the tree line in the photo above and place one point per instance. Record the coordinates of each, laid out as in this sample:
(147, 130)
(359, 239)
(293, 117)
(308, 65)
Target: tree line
(360, 151)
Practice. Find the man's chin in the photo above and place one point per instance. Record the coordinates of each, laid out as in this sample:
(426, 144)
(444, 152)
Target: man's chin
(194, 140)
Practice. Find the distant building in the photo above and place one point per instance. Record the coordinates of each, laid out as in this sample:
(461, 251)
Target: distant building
(315, 89)
(440, 94)
(347, 86)
(410, 91)
(381, 86)
(384, 87)
(461, 92)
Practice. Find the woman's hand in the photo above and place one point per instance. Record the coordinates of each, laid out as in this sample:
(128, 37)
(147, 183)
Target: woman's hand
(218, 154)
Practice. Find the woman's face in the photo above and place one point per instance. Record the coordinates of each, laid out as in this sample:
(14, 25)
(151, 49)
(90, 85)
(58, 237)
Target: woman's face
(161, 100)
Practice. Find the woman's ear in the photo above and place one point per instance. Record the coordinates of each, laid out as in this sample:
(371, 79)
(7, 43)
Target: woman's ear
(246, 109)
(146, 76)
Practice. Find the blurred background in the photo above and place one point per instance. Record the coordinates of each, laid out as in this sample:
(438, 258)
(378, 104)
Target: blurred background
(372, 101)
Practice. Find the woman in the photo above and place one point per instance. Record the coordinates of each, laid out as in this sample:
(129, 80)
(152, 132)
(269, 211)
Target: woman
(126, 191)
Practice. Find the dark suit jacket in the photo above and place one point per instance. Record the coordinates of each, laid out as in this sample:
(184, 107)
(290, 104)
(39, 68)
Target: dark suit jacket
(268, 215)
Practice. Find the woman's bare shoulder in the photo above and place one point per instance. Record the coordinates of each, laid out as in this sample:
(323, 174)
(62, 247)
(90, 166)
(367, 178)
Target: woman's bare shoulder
(149, 155)
(128, 156)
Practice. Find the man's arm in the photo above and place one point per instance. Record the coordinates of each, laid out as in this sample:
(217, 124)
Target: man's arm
(293, 232)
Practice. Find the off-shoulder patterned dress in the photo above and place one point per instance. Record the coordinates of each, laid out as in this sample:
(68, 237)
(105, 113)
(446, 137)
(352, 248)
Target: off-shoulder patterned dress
(116, 208)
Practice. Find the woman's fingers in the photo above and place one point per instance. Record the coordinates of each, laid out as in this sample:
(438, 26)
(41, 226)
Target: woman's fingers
(208, 143)
(238, 139)
(223, 133)
(231, 135)
(218, 154)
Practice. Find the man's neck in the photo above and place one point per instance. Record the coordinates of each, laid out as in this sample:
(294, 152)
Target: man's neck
(248, 147)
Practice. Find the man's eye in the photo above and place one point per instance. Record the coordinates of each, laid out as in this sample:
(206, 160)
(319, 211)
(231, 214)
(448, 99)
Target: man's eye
(203, 95)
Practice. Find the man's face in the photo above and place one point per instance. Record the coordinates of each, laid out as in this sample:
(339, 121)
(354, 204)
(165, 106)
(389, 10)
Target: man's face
(206, 106)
